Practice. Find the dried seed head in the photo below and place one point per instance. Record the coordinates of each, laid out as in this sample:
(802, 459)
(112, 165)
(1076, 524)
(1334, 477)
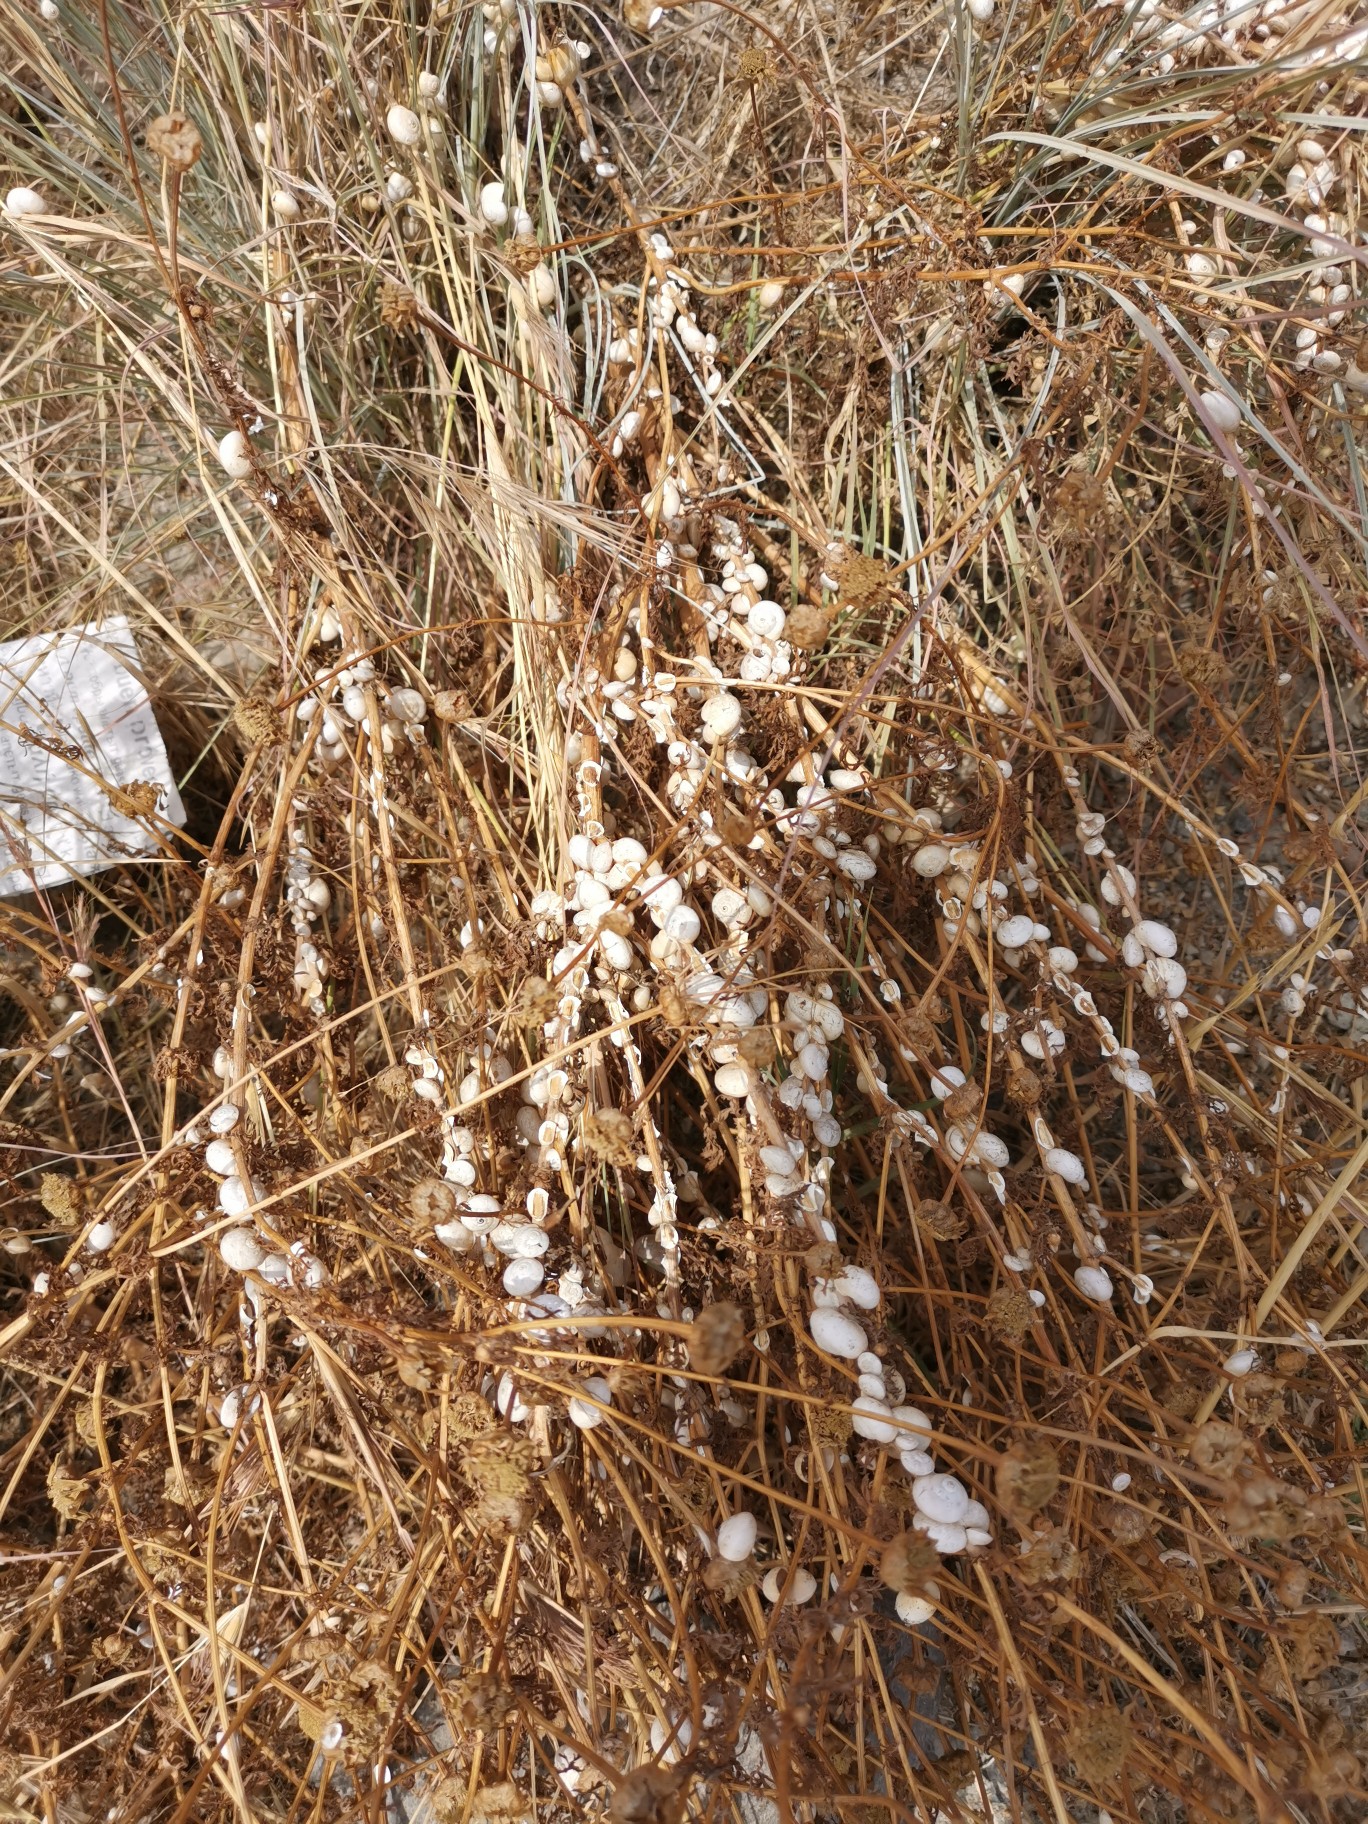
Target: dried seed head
(938, 1220)
(256, 719)
(728, 1579)
(807, 627)
(483, 1701)
(413, 1371)
(823, 1261)
(756, 1046)
(1010, 1313)
(753, 65)
(499, 1467)
(1051, 1558)
(650, 1795)
(1023, 1085)
(907, 1562)
(469, 1416)
(1027, 1477)
(536, 1002)
(1218, 1448)
(715, 1337)
(393, 1082)
(964, 1102)
(175, 138)
(61, 1198)
(398, 306)
(864, 580)
(431, 1201)
(523, 253)
(451, 706)
(608, 1134)
(1098, 1744)
(675, 1008)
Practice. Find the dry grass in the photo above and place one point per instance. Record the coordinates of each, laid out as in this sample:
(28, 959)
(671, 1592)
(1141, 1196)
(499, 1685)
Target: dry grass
(327, 1538)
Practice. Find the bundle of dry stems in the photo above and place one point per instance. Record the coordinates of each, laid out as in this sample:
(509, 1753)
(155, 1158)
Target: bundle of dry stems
(720, 1177)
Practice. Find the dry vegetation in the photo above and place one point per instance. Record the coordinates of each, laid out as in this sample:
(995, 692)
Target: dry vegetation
(761, 616)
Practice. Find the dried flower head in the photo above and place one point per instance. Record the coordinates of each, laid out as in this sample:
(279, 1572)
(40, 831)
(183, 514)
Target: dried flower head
(483, 1701)
(257, 718)
(1010, 1313)
(432, 1200)
(1218, 1448)
(938, 1220)
(650, 1795)
(1027, 1477)
(61, 1198)
(1098, 1743)
(807, 627)
(908, 1562)
(715, 1337)
(609, 1135)
(176, 139)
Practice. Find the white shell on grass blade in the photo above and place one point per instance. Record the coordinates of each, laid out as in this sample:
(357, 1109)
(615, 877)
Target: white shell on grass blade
(519, 1240)
(236, 1198)
(233, 453)
(913, 1610)
(218, 1156)
(873, 1419)
(1095, 1284)
(403, 124)
(837, 1334)
(942, 1499)
(1223, 411)
(582, 1413)
(802, 1589)
(224, 1118)
(721, 716)
(914, 1426)
(493, 204)
(1015, 932)
(22, 201)
(240, 1250)
(736, 1538)
(682, 924)
(767, 620)
(858, 1285)
(947, 1536)
(1061, 1163)
(522, 1277)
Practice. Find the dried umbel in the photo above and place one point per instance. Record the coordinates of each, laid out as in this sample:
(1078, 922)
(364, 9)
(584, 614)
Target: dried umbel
(432, 1200)
(939, 1220)
(1218, 1448)
(1027, 1477)
(715, 1338)
(807, 627)
(609, 1135)
(1010, 1313)
(483, 1701)
(499, 1467)
(650, 1795)
(1098, 1744)
(908, 1563)
(730, 1578)
(176, 140)
(1050, 1556)
(61, 1198)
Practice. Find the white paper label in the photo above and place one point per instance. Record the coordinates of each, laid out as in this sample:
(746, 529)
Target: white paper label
(77, 690)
